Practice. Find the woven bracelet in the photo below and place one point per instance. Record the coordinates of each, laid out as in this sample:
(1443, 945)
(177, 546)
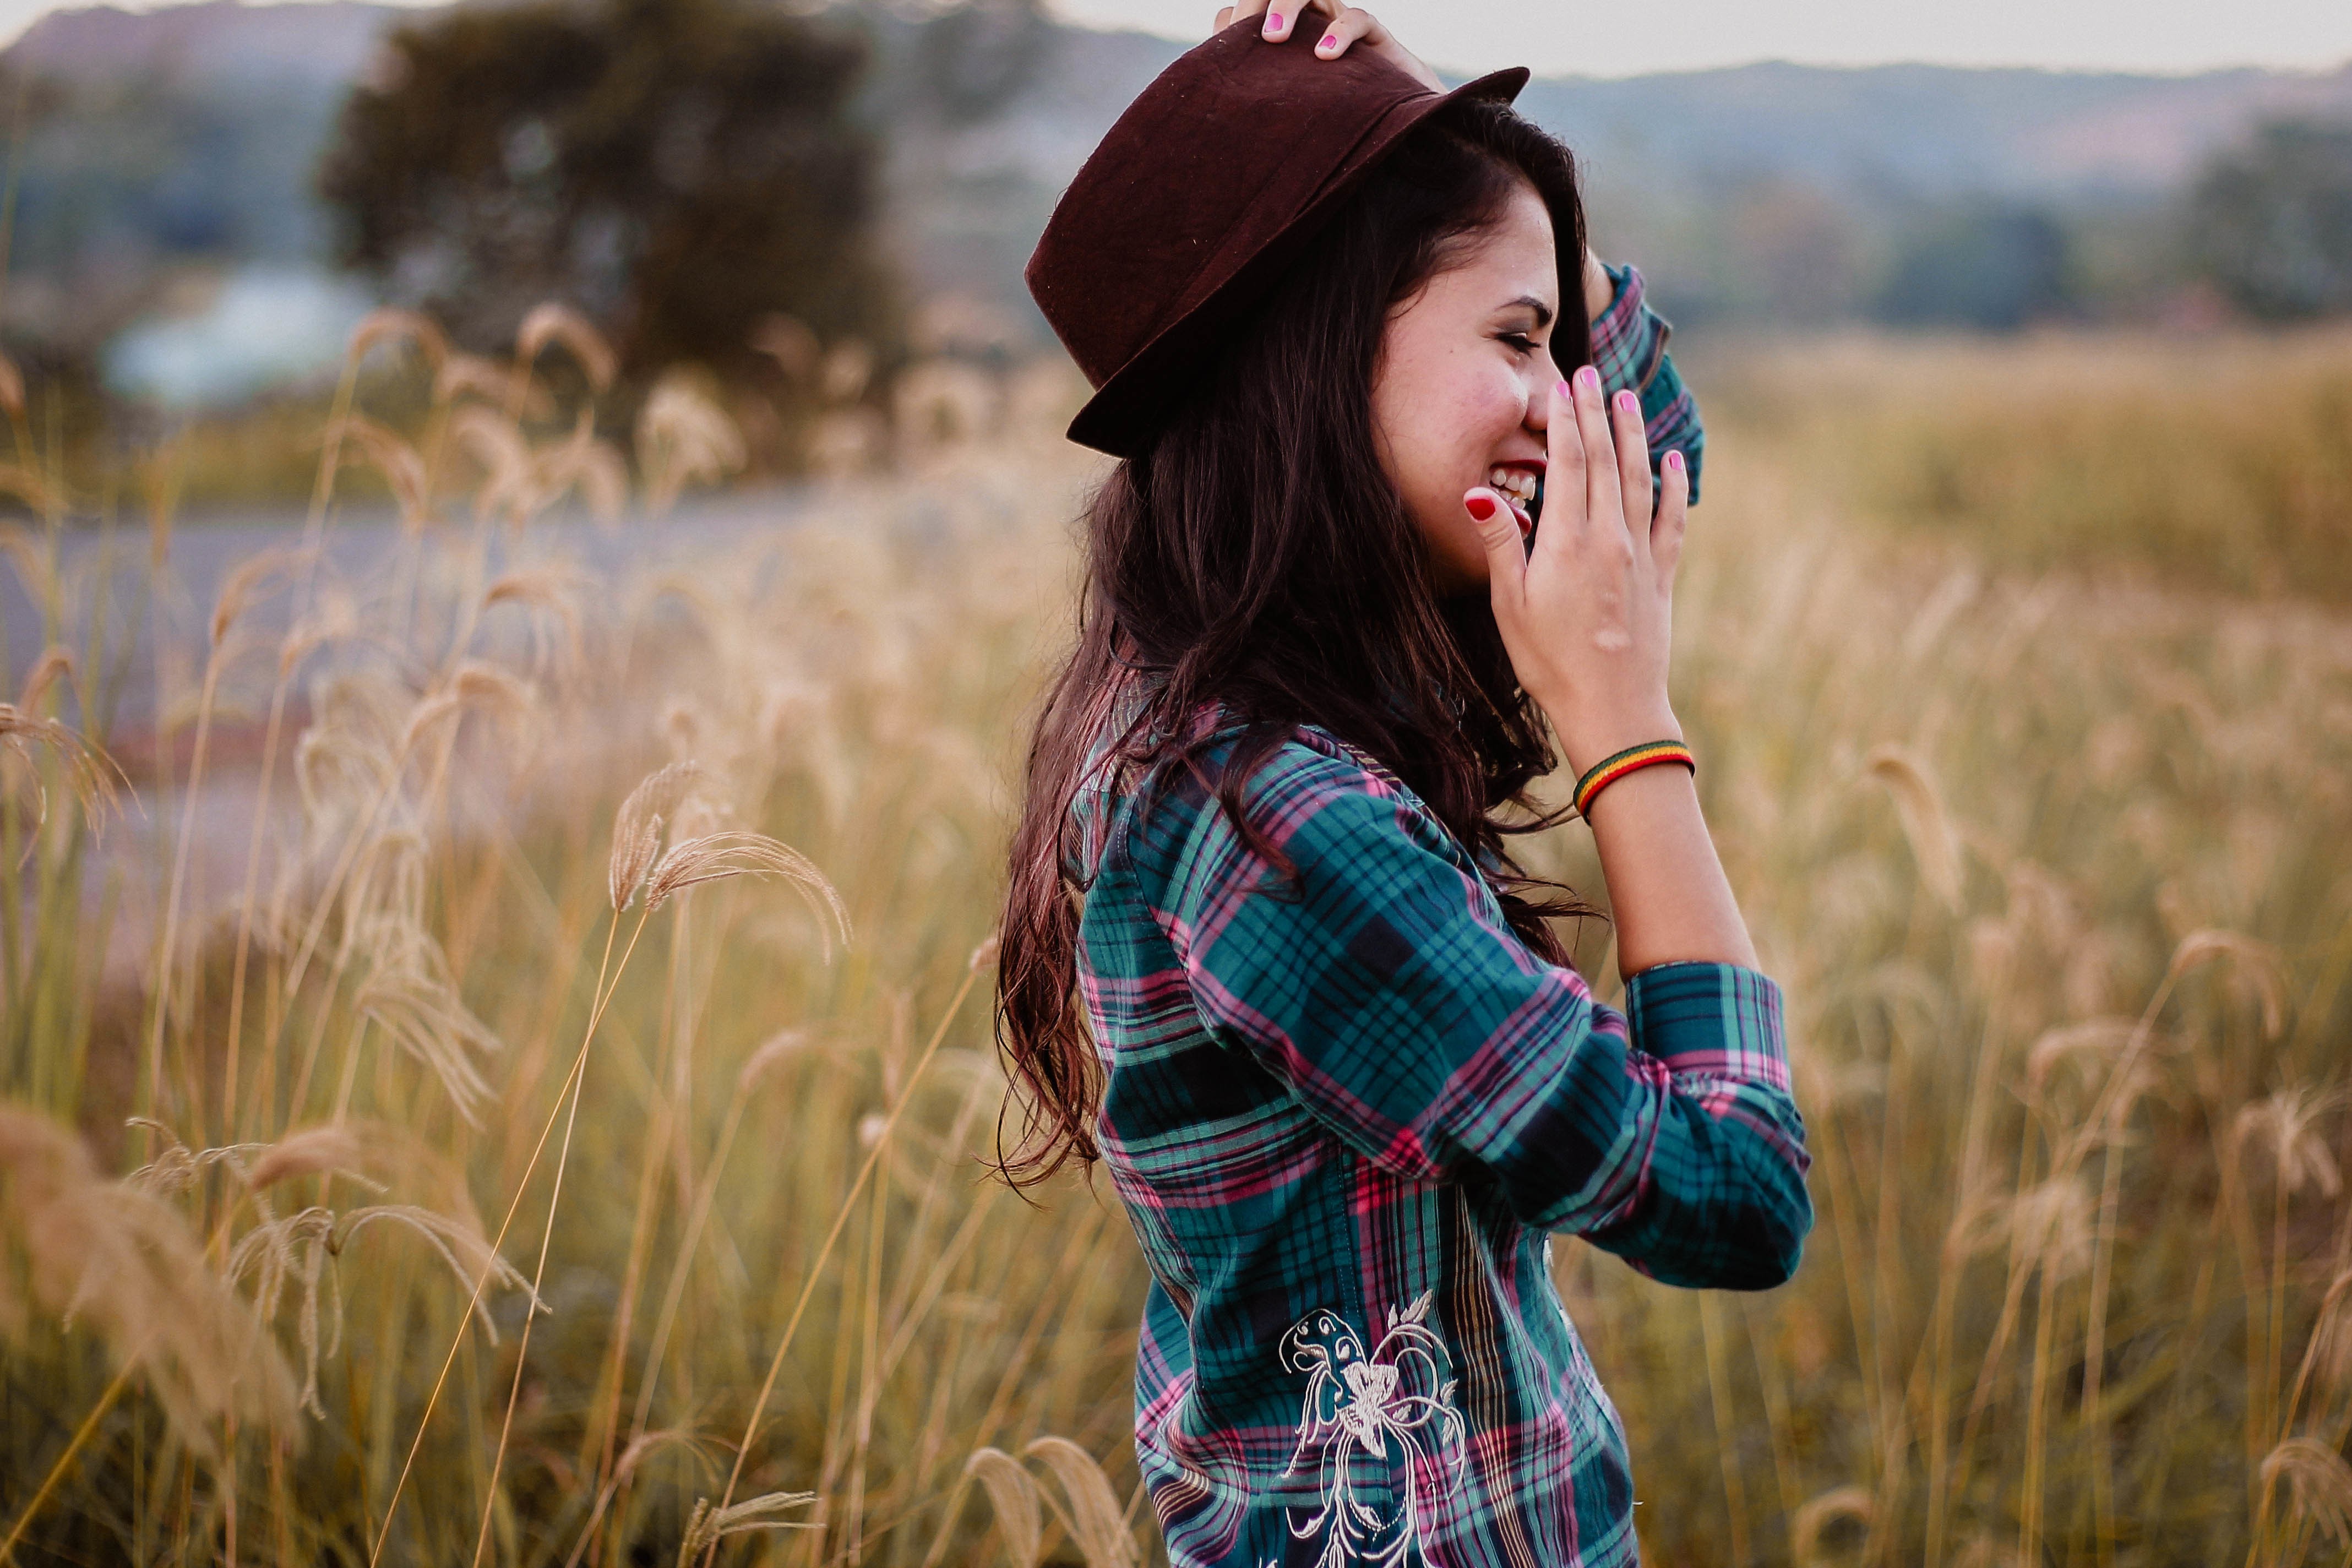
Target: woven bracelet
(1632, 759)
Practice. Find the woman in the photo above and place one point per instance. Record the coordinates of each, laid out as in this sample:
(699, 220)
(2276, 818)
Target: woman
(1344, 1080)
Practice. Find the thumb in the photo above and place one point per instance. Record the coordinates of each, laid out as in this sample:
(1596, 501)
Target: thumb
(1506, 551)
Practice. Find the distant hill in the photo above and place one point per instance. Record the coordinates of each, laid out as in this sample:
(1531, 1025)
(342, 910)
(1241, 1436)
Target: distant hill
(188, 135)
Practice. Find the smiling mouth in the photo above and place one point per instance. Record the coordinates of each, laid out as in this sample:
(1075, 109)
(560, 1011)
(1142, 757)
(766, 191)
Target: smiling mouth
(1522, 488)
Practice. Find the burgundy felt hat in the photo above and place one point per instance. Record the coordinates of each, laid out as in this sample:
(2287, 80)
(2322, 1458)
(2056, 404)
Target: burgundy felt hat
(1208, 186)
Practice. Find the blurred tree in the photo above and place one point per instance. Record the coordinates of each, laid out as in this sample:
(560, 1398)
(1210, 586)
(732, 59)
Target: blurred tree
(678, 169)
(975, 57)
(1992, 266)
(2271, 223)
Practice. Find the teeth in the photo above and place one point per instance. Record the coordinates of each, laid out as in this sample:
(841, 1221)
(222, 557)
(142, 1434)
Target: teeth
(1517, 483)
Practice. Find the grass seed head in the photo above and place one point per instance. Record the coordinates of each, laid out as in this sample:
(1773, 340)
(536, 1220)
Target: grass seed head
(2255, 965)
(2318, 1484)
(1812, 1521)
(116, 1256)
(638, 827)
(12, 388)
(1095, 1520)
(550, 322)
(684, 437)
(1012, 1493)
(2288, 1120)
(389, 324)
(1928, 826)
(706, 1526)
(716, 856)
(54, 665)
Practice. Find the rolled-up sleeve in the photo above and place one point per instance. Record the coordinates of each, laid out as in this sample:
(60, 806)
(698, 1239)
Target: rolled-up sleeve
(1376, 977)
(1629, 351)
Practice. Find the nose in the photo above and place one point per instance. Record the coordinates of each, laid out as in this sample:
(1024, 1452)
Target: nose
(1541, 374)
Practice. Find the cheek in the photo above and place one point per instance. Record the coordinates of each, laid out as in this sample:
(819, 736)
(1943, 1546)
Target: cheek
(1463, 417)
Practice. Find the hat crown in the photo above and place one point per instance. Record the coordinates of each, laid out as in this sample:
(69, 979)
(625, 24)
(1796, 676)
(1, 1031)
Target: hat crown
(1197, 197)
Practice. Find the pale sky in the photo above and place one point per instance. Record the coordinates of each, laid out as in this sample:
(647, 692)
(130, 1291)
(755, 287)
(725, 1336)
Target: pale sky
(1609, 38)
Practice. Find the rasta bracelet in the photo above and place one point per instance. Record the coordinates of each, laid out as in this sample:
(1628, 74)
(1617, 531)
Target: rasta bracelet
(1632, 759)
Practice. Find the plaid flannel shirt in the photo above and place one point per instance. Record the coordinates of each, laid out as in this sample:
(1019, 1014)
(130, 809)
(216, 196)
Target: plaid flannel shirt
(1342, 1114)
(1629, 349)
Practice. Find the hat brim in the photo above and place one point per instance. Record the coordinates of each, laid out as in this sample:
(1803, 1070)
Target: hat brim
(1125, 410)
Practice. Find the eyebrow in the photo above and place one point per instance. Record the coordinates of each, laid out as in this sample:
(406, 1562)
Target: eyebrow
(1542, 310)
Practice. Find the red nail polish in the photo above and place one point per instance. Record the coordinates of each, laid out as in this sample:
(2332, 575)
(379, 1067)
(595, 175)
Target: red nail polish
(1480, 507)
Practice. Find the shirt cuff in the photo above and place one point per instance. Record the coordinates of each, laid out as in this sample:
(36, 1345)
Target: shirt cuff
(1713, 1018)
(1629, 339)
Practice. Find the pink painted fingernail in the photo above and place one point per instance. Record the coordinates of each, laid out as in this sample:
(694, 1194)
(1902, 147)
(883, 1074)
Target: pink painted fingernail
(1273, 21)
(1588, 378)
(1330, 41)
(1563, 389)
(1674, 461)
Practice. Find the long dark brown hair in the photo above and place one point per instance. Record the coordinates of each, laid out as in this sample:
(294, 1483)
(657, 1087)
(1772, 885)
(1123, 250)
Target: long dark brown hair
(1258, 557)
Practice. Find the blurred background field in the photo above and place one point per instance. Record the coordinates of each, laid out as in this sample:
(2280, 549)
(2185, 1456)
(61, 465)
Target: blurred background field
(373, 631)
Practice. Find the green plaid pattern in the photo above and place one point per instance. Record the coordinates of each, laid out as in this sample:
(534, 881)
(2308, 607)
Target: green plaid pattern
(1343, 1111)
(1629, 349)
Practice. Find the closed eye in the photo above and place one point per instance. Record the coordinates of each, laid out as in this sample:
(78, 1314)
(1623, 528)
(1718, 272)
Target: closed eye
(1520, 342)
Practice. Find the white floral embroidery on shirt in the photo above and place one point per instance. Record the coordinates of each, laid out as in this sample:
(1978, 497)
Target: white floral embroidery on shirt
(1402, 1391)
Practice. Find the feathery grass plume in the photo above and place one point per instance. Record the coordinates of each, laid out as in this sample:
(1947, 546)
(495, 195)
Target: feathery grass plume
(90, 773)
(2094, 1039)
(1814, 1519)
(469, 375)
(389, 324)
(509, 487)
(350, 755)
(12, 388)
(1012, 1493)
(2050, 1225)
(2289, 1120)
(1925, 824)
(473, 686)
(638, 827)
(550, 322)
(333, 617)
(54, 665)
(592, 466)
(410, 996)
(1095, 1520)
(176, 1168)
(2329, 1357)
(684, 437)
(2254, 964)
(87, 1247)
(310, 1152)
(2319, 1482)
(773, 1051)
(706, 1526)
(714, 857)
(379, 447)
(985, 954)
(239, 587)
(548, 593)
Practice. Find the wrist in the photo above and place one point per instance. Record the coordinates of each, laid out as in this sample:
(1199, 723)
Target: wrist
(1586, 741)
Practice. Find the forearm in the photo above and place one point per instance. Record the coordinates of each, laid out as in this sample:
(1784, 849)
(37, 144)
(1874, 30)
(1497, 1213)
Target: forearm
(1599, 287)
(1669, 897)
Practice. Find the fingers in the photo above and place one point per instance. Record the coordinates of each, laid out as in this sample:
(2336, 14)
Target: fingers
(1604, 498)
(1672, 522)
(1506, 551)
(1281, 16)
(1632, 459)
(1348, 26)
(1564, 500)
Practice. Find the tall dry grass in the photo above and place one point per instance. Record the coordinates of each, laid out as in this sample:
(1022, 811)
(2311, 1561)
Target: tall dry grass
(546, 1131)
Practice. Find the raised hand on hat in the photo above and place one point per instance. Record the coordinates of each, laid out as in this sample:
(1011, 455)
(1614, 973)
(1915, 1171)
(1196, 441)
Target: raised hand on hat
(1344, 25)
